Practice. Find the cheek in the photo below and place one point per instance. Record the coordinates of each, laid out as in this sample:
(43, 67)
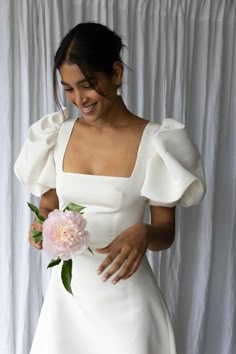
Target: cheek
(69, 96)
(95, 96)
(103, 103)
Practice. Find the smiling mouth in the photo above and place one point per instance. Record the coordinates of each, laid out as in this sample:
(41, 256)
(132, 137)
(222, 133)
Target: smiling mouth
(87, 109)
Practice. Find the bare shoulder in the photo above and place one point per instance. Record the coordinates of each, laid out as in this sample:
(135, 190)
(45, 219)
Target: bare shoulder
(139, 120)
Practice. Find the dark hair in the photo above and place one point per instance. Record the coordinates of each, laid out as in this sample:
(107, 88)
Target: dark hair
(91, 46)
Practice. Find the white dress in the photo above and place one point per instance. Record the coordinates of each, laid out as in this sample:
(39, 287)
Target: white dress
(131, 316)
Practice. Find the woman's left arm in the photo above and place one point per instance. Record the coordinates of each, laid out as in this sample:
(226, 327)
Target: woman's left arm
(126, 251)
(161, 232)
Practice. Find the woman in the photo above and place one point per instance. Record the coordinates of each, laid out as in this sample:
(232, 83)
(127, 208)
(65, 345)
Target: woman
(113, 163)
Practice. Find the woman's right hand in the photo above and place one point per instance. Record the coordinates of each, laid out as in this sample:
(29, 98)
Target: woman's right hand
(48, 202)
(35, 226)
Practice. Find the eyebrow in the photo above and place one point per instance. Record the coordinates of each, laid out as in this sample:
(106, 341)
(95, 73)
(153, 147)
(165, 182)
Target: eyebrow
(77, 83)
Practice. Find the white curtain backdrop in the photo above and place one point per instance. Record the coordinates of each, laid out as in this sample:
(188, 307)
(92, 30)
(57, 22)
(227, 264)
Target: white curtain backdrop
(183, 65)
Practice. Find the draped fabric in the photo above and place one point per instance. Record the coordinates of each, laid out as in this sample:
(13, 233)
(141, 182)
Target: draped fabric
(180, 58)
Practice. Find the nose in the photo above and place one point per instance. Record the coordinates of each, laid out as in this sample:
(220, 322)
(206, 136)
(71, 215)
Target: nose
(79, 98)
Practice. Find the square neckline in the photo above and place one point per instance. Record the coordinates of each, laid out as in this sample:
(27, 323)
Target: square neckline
(144, 132)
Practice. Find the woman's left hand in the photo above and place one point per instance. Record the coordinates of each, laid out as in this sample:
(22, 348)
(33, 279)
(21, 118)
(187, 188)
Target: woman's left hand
(125, 252)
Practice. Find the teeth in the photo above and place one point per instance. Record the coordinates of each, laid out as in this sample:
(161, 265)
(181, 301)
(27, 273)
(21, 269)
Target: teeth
(88, 108)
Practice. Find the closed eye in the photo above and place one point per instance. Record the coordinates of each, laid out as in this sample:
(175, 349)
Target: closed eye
(68, 89)
(86, 86)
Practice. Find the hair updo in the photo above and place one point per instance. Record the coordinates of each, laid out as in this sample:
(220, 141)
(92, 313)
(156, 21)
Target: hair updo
(93, 47)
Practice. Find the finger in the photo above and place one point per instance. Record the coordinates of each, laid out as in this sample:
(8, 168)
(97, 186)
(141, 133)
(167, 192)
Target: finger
(36, 226)
(107, 261)
(102, 250)
(35, 245)
(129, 269)
(134, 268)
(117, 264)
(38, 245)
(105, 249)
(32, 241)
(131, 259)
(126, 269)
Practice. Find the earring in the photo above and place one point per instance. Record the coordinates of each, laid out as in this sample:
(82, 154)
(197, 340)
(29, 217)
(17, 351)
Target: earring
(118, 92)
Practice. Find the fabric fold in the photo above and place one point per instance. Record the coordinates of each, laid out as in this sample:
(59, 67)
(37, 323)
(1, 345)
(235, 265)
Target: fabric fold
(35, 166)
(174, 173)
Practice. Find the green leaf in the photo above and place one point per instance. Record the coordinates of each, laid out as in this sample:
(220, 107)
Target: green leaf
(35, 210)
(66, 275)
(54, 262)
(74, 207)
(37, 236)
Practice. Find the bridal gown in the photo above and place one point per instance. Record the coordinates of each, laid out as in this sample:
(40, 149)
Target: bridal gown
(130, 317)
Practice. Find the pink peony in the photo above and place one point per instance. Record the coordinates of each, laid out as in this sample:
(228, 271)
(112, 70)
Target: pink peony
(64, 234)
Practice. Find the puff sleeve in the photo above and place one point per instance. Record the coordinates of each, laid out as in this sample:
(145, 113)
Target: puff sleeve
(35, 165)
(174, 172)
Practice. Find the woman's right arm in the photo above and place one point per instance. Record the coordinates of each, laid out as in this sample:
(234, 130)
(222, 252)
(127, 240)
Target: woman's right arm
(48, 202)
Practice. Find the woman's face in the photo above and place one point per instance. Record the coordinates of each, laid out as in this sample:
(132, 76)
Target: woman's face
(78, 91)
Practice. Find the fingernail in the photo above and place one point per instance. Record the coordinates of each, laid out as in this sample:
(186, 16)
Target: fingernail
(104, 278)
(99, 271)
(114, 281)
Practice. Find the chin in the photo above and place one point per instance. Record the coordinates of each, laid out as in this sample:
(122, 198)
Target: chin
(90, 118)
